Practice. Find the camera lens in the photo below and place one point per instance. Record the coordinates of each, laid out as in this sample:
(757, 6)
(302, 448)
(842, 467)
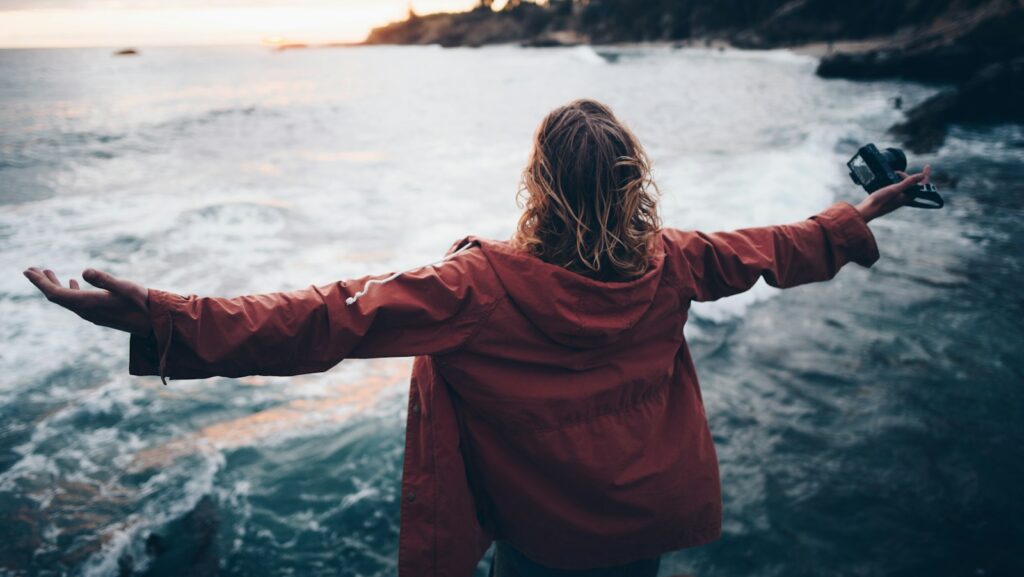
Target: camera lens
(895, 158)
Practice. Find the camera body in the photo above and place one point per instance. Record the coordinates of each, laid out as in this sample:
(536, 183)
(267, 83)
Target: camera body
(874, 169)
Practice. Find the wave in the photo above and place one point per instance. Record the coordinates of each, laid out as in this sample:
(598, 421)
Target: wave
(587, 54)
(764, 187)
(215, 116)
(57, 149)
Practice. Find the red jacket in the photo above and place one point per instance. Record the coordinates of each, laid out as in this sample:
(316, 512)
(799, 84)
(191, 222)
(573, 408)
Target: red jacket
(560, 413)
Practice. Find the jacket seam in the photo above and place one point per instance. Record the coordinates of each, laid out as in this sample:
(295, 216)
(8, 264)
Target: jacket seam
(676, 280)
(435, 495)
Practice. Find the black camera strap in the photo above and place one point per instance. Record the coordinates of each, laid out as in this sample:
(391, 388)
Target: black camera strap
(925, 196)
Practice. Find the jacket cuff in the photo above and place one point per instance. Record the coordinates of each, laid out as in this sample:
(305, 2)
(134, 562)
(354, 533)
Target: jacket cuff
(143, 354)
(849, 233)
(147, 353)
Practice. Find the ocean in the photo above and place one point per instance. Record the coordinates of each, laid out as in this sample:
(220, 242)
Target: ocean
(871, 425)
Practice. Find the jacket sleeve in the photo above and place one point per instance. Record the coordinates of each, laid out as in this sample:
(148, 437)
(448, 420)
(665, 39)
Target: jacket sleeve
(429, 310)
(720, 264)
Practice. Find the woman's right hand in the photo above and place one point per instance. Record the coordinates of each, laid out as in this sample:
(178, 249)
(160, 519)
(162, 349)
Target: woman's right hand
(119, 304)
(885, 200)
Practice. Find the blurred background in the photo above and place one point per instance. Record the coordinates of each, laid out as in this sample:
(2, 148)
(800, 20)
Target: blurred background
(873, 425)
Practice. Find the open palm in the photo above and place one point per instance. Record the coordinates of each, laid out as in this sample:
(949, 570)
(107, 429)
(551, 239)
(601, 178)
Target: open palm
(118, 304)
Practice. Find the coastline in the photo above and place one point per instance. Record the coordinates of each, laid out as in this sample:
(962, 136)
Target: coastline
(978, 49)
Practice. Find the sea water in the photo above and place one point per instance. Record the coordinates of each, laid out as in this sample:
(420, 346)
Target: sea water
(872, 425)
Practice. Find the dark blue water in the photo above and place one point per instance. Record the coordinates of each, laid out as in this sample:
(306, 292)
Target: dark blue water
(875, 424)
(872, 425)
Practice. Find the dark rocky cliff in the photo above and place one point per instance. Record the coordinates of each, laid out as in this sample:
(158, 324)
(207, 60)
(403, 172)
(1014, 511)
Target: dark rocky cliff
(746, 23)
(952, 47)
(517, 23)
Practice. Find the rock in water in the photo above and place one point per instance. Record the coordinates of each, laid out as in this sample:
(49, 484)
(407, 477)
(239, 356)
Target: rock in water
(996, 94)
(188, 545)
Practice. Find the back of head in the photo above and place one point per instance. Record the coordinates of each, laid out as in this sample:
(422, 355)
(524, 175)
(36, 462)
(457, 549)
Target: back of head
(590, 204)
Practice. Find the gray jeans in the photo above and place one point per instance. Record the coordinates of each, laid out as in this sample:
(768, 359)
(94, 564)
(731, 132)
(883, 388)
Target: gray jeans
(509, 562)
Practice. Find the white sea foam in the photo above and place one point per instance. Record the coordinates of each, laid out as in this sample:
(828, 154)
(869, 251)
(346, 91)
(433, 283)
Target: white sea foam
(587, 54)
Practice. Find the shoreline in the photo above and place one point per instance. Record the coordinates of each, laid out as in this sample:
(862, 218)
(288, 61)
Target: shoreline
(977, 49)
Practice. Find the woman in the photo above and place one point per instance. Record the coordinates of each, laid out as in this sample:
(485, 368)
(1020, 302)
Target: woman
(554, 406)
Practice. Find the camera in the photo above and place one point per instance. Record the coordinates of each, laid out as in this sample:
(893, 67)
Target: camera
(874, 169)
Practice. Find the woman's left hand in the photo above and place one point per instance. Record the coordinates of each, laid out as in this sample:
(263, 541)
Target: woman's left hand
(885, 200)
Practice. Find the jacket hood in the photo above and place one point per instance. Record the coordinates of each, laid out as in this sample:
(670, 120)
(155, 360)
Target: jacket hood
(569, 308)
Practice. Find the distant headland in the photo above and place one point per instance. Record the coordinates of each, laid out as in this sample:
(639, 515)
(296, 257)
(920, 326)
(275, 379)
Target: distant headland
(976, 45)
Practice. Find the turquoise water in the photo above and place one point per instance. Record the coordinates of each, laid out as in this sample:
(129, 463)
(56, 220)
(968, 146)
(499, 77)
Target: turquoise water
(872, 425)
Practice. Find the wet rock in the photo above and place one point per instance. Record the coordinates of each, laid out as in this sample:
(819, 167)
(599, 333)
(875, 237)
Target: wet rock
(125, 566)
(187, 546)
(127, 52)
(996, 94)
(555, 39)
(155, 545)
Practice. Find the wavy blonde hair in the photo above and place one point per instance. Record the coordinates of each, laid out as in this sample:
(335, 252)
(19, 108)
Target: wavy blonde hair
(590, 204)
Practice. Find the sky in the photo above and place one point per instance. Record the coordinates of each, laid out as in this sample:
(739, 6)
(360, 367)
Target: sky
(123, 23)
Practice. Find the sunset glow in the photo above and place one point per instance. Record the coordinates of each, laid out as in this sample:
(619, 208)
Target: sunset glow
(185, 22)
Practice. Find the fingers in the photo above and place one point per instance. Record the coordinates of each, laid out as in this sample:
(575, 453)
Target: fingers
(919, 178)
(102, 307)
(48, 284)
(100, 279)
(45, 282)
(911, 181)
(38, 278)
(81, 301)
(120, 287)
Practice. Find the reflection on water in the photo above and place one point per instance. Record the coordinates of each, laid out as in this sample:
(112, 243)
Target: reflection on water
(297, 417)
(870, 425)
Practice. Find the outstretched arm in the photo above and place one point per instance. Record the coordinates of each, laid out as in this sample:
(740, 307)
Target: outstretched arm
(429, 310)
(720, 264)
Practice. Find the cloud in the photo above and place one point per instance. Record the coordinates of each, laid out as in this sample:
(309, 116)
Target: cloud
(54, 23)
(9, 5)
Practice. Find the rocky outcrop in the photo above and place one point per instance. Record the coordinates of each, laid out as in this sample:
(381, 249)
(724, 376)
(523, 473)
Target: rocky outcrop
(804, 21)
(478, 27)
(188, 546)
(996, 94)
(978, 46)
(555, 39)
(972, 31)
(951, 49)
